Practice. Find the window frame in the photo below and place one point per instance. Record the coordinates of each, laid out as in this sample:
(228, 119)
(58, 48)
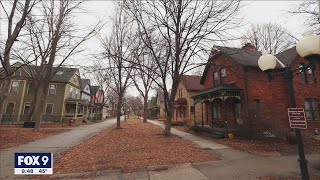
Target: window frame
(216, 81)
(314, 113)
(5, 112)
(51, 109)
(11, 86)
(55, 89)
(24, 108)
(223, 77)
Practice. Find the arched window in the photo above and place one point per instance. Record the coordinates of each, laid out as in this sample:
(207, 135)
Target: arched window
(215, 78)
(223, 75)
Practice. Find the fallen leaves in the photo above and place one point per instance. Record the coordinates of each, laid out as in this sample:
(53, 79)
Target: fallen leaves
(136, 144)
(11, 136)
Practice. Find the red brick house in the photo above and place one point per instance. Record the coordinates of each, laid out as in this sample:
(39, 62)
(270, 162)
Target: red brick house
(238, 92)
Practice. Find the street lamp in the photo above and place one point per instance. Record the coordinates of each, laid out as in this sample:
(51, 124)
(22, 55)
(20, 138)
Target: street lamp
(309, 48)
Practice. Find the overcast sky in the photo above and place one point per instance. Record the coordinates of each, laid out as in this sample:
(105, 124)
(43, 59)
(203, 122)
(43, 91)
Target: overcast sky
(253, 12)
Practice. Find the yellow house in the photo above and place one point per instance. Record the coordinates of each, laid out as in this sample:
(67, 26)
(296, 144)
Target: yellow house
(63, 101)
(189, 85)
(160, 105)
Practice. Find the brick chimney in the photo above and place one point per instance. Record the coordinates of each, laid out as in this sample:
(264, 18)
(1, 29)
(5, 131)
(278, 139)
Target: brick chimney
(249, 47)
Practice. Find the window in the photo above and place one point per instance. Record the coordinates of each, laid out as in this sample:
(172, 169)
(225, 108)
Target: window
(312, 108)
(223, 75)
(311, 76)
(70, 93)
(192, 109)
(49, 108)
(257, 105)
(17, 72)
(215, 112)
(31, 88)
(26, 108)
(52, 89)
(180, 93)
(9, 109)
(14, 86)
(215, 79)
(76, 94)
(237, 110)
(302, 70)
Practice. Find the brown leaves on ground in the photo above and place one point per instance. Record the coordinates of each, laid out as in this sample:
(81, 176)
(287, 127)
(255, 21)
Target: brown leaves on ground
(268, 147)
(136, 144)
(13, 135)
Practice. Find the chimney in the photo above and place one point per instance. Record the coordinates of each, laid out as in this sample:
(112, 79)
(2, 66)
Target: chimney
(249, 47)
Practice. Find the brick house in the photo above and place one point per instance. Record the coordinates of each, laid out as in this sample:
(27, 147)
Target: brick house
(238, 92)
(188, 86)
(62, 102)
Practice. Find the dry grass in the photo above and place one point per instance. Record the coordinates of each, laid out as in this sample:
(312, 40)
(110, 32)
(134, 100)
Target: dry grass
(136, 144)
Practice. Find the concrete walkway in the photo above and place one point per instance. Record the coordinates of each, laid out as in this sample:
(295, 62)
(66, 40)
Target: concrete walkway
(55, 144)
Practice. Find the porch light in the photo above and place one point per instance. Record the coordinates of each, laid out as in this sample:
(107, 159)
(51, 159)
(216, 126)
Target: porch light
(309, 47)
(267, 61)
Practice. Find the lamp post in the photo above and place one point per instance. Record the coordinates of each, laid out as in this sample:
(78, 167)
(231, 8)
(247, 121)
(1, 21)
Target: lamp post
(309, 48)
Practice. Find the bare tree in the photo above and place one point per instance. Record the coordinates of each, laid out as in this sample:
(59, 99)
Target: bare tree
(177, 32)
(20, 11)
(271, 37)
(53, 39)
(117, 52)
(143, 74)
(311, 11)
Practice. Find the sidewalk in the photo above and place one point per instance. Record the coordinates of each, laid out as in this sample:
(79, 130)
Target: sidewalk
(55, 144)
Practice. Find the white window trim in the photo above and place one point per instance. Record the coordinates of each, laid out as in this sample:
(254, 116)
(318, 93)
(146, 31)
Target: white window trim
(55, 89)
(12, 84)
(24, 107)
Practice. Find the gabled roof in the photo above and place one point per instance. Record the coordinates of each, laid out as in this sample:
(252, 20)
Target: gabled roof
(192, 82)
(246, 57)
(94, 89)
(84, 82)
(65, 75)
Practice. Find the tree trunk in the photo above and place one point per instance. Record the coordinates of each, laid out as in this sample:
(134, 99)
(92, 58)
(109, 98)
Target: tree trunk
(167, 130)
(3, 94)
(33, 104)
(119, 111)
(40, 104)
(145, 108)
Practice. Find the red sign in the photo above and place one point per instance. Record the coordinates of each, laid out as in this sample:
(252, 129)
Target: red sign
(297, 118)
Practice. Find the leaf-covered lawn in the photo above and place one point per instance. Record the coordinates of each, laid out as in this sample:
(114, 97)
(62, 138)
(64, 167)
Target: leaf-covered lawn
(264, 147)
(136, 144)
(11, 136)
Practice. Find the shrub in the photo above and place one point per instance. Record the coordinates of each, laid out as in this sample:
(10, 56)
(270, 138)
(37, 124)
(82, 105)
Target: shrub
(179, 123)
(194, 128)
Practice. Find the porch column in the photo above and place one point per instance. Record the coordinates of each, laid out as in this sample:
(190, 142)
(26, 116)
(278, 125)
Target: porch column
(202, 113)
(76, 112)
(194, 112)
(207, 113)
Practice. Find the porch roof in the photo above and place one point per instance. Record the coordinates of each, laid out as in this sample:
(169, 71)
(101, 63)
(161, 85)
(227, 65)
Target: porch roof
(222, 91)
(80, 101)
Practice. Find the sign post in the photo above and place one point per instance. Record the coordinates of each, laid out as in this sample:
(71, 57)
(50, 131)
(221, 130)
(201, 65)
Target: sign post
(297, 118)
